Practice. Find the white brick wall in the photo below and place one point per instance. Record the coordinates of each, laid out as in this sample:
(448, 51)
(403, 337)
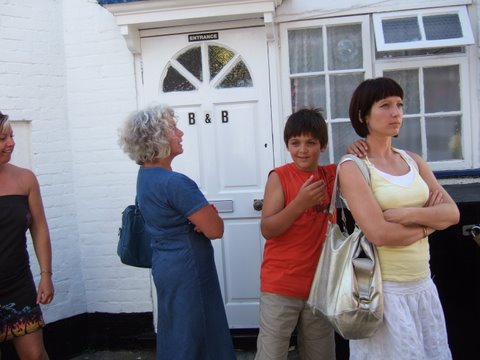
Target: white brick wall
(101, 92)
(32, 78)
(65, 67)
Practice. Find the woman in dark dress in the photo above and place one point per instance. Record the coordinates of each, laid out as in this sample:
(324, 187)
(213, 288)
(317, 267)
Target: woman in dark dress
(191, 316)
(21, 209)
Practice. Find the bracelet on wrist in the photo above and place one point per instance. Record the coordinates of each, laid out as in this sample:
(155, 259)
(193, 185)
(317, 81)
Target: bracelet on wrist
(46, 272)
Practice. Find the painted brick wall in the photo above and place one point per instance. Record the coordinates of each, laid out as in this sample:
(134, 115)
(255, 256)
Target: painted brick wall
(32, 87)
(65, 67)
(101, 92)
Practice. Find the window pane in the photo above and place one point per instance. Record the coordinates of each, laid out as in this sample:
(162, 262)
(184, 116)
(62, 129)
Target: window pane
(342, 136)
(239, 76)
(192, 61)
(308, 92)
(305, 49)
(345, 47)
(442, 88)
(218, 57)
(401, 30)
(341, 90)
(174, 81)
(446, 26)
(410, 136)
(408, 80)
(444, 140)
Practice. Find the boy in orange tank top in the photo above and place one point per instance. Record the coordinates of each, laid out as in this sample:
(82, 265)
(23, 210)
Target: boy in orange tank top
(294, 223)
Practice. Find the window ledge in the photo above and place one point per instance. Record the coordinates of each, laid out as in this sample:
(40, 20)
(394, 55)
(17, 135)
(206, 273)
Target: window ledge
(452, 174)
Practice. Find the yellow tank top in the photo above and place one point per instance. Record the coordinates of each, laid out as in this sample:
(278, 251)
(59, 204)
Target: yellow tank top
(401, 263)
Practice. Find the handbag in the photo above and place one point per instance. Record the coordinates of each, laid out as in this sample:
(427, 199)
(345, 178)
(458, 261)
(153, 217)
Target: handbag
(134, 239)
(347, 286)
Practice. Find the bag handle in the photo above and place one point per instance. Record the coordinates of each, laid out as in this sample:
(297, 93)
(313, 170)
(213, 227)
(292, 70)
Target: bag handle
(363, 168)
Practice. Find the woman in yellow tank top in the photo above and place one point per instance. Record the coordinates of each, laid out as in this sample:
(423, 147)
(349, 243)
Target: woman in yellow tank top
(403, 205)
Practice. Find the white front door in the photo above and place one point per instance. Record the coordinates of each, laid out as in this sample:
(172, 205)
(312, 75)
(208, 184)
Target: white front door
(218, 84)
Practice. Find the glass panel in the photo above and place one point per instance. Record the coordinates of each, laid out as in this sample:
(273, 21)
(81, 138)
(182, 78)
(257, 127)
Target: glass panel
(408, 80)
(345, 47)
(308, 92)
(175, 82)
(444, 140)
(446, 26)
(239, 76)
(401, 30)
(218, 57)
(305, 49)
(341, 90)
(410, 136)
(192, 61)
(342, 136)
(442, 88)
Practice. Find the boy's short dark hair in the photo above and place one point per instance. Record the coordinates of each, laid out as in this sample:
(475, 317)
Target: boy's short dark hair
(365, 95)
(306, 122)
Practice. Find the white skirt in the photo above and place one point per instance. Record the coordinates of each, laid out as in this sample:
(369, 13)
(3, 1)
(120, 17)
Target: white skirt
(413, 325)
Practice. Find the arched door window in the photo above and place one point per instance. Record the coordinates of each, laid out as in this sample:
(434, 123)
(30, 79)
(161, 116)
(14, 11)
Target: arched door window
(192, 67)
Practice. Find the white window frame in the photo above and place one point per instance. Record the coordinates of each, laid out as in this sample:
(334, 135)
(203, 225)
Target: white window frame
(461, 11)
(462, 61)
(364, 21)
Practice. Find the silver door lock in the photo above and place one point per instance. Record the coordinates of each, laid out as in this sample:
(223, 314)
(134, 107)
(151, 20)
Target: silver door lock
(472, 230)
(475, 230)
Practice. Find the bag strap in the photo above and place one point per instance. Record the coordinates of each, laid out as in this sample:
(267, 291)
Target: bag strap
(363, 168)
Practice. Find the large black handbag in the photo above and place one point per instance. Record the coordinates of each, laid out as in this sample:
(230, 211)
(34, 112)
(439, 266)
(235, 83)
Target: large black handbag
(134, 240)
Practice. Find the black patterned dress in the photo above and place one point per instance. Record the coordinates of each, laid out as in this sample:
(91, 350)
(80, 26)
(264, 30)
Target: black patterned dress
(19, 313)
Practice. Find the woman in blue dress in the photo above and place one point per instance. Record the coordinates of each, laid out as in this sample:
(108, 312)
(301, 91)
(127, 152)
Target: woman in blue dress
(191, 316)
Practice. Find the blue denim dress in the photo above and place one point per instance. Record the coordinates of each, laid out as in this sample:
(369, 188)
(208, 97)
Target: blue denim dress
(191, 315)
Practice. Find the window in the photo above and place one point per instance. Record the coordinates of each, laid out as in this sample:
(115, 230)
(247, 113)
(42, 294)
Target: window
(327, 59)
(435, 108)
(420, 29)
(225, 69)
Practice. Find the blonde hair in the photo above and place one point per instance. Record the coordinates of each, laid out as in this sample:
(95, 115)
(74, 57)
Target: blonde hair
(4, 123)
(145, 135)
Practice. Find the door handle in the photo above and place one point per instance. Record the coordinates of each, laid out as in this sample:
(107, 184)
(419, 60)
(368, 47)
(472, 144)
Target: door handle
(258, 204)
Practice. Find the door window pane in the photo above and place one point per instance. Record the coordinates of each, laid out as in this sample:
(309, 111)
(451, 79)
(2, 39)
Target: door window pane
(341, 90)
(345, 47)
(239, 76)
(442, 89)
(410, 137)
(218, 57)
(444, 138)
(192, 61)
(308, 92)
(174, 81)
(305, 49)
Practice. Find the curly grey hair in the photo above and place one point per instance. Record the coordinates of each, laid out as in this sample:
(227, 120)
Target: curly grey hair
(146, 133)
(4, 123)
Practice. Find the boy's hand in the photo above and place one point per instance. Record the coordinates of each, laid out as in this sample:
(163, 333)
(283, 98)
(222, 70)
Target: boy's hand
(358, 148)
(311, 193)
